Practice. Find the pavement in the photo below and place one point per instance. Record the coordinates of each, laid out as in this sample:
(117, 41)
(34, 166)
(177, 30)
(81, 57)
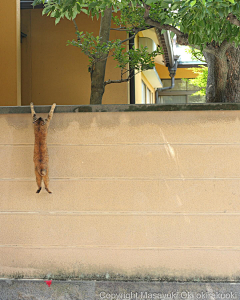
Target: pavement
(116, 290)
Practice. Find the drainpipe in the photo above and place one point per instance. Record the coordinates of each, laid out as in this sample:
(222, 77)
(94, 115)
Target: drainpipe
(132, 80)
(172, 72)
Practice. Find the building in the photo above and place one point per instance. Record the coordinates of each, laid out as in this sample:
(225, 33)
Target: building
(39, 67)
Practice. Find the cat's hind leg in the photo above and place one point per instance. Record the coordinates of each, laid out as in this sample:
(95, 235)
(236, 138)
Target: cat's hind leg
(46, 182)
(39, 180)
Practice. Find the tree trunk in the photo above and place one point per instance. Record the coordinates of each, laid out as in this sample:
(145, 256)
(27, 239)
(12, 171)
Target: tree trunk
(221, 72)
(210, 90)
(233, 80)
(99, 67)
(223, 84)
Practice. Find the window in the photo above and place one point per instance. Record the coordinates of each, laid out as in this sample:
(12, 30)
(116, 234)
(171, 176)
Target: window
(147, 95)
(181, 93)
(143, 93)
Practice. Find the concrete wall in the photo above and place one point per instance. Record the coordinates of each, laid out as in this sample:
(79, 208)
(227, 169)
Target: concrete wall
(134, 194)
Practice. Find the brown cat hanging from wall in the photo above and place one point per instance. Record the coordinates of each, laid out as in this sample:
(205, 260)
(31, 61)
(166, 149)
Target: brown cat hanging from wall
(40, 157)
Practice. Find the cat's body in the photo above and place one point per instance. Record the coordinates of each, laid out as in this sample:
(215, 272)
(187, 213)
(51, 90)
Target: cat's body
(40, 157)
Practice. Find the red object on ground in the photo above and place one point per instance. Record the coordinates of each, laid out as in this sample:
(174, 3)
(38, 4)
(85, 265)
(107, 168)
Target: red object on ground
(48, 282)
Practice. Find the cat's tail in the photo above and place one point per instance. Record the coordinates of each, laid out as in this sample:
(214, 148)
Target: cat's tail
(42, 172)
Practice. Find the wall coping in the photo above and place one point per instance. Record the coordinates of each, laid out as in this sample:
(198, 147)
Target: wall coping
(120, 108)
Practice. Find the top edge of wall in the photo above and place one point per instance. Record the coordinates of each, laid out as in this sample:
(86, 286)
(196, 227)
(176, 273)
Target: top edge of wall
(120, 108)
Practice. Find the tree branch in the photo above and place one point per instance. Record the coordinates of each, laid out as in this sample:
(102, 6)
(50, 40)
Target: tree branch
(233, 19)
(120, 29)
(116, 81)
(130, 38)
(223, 47)
(75, 25)
(182, 39)
(198, 58)
(121, 80)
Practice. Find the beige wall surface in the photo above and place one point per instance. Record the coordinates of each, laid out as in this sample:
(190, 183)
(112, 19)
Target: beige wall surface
(54, 72)
(134, 193)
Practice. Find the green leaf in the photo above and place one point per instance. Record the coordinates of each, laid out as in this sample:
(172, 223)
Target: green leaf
(172, 34)
(57, 21)
(36, 2)
(78, 7)
(192, 3)
(149, 2)
(221, 13)
(46, 10)
(175, 6)
(67, 15)
(84, 10)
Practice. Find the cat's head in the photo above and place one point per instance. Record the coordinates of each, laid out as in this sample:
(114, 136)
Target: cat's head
(40, 121)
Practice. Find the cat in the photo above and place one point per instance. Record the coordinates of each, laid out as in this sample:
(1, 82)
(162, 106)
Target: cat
(40, 157)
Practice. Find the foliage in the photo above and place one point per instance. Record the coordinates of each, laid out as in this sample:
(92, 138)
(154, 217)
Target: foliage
(93, 47)
(71, 8)
(138, 59)
(203, 21)
(209, 25)
(131, 19)
(201, 80)
(196, 54)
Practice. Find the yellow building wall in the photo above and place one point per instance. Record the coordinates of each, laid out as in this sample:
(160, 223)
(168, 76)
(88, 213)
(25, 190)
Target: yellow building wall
(140, 77)
(10, 53)
(54, 72)
(138, 88)
(148, 85)
(180, 73)
(134, 193)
